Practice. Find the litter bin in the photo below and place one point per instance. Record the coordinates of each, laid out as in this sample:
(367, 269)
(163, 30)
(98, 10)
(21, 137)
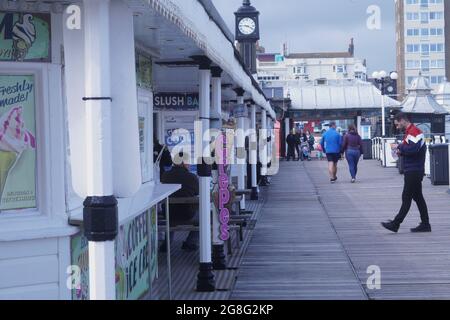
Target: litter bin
(367, 149)
(439, 164)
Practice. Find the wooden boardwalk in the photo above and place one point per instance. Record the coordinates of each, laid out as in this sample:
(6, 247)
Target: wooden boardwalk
(315, 240)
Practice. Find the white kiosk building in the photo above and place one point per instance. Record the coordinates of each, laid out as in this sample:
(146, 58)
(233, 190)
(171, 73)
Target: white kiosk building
(77, 87)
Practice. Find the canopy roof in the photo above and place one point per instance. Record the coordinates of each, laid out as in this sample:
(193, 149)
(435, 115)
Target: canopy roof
(421, 100)
(337, 94)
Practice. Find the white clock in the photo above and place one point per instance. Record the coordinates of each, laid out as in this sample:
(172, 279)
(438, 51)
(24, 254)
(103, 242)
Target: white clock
(247, 26)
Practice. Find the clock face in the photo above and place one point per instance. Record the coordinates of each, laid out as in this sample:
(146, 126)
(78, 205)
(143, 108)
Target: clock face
(247, 26)
(390, 89)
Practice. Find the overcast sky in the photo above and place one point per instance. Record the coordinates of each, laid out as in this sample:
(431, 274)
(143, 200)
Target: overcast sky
(323, 25)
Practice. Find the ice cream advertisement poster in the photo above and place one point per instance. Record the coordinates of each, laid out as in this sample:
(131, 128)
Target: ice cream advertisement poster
(132, 259)
(17, 142)
(25, 37)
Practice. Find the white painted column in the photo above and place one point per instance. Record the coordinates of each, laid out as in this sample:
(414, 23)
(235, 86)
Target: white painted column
(218, 254)
(253, 151)
(241, 154)
(287, 123)
(205, 281)
(383, 116)
(270, 127)
(449, 162)
(263, 142)
(99, 171)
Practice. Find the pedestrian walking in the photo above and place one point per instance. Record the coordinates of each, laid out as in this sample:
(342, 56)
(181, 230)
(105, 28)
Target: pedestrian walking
(413, 150)
(353, 150)
(291, 142)
(331, 144)
(298, 142)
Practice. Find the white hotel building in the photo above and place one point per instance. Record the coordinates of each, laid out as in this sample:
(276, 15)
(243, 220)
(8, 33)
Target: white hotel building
(278, 70)
(421, 41)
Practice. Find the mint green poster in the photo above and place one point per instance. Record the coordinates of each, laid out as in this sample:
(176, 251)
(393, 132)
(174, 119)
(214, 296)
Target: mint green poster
(25, 37)
(17, 142)
(132, 259)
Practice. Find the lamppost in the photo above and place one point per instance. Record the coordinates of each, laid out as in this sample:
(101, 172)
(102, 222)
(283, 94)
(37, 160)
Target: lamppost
(382, 79)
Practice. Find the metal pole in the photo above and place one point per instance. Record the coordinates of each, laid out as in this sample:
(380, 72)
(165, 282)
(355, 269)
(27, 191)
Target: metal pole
(100, 207)
(218, 253)
(205, 278)
(253, 153)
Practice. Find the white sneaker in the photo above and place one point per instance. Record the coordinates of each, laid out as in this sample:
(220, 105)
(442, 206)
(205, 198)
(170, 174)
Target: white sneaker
(353, 180)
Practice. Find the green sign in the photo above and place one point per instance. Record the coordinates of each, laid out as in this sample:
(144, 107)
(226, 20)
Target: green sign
(135, 263)
(143, 71)
(17, 142)
(25, 37)
(80, 258)
(153, 244)
(132, 259)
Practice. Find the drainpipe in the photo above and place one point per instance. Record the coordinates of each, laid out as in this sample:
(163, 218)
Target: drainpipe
(100, 211)
(218, 253)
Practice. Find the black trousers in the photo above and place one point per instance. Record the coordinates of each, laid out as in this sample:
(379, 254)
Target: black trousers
(299, 153)
(291, 153)
(412, 190)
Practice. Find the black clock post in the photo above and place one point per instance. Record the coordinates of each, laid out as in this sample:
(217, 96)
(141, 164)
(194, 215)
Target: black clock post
(247, 33)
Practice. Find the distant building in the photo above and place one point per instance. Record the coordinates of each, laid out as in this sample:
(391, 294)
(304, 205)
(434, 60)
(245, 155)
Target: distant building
(275, 69)
(422, 44)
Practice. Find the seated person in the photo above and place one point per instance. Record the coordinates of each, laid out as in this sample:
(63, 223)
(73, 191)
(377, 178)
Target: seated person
(183, 214)
(165, 161)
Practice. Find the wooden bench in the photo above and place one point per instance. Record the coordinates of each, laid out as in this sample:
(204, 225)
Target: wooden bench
(193, 228)
(243, 193)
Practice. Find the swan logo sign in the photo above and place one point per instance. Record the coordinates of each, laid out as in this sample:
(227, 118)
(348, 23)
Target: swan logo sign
(25, 37)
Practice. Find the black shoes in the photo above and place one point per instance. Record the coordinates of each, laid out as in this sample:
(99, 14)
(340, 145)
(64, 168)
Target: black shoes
(423, 227)
(391, 226)
(333, 180)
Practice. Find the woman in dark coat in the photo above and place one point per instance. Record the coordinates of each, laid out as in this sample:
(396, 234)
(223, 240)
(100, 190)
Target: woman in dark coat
(353, 149)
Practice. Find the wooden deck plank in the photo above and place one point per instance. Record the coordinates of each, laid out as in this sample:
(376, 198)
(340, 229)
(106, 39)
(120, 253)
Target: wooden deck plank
(316, 240)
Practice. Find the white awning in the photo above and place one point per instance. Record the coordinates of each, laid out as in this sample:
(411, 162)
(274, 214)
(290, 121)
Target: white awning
(192, 19)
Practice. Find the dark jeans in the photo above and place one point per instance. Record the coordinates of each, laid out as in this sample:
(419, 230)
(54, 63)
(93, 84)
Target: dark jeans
(291, 153)
(353, 156)
(299, 153)
(413, 191)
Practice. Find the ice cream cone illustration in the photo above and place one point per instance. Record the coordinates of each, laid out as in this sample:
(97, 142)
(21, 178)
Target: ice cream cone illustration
(24, 35)
(7, 161)
(14, 139)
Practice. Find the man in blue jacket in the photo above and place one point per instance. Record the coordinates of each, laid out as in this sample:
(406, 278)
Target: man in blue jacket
(331, 144)
(413, 149)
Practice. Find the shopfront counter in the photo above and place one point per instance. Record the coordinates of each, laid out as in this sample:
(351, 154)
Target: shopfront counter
(136, 245)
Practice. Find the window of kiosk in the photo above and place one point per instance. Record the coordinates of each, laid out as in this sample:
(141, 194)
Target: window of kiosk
(19, 100)
(176, 116)
(25, 45)
(144, 80)
(145, 109)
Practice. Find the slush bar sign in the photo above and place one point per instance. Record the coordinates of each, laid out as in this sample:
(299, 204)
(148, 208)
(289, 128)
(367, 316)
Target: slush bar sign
(176, 101)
